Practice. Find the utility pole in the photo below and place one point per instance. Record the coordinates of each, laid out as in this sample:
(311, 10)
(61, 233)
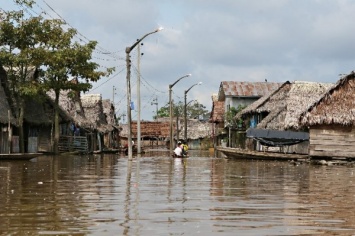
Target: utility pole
(139, 99)
(113, 103)
(128, 81)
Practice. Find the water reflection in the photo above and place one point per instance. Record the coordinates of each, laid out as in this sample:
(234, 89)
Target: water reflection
(157, 195)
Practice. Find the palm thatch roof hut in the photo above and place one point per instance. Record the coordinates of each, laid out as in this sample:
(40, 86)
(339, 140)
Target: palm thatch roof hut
(198, 133)
(283, 108)
(89, 116)
(94, 112)
(70, 103)
(331, 121)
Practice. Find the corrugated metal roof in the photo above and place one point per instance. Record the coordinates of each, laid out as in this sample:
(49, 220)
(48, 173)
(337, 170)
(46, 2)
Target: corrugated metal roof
(248, 89)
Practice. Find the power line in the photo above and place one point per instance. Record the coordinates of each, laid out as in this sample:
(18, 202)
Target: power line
(107, 80)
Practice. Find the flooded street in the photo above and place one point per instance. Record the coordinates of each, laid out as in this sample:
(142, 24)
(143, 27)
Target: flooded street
(159, 195)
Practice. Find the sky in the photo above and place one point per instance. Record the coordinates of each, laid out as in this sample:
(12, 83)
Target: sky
(214, 41)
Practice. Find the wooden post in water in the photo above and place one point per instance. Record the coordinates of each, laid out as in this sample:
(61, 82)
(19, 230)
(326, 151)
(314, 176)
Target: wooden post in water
(9, 130)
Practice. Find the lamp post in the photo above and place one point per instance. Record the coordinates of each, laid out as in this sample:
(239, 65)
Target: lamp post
(171, 110)
(185, 112)
(128, 81)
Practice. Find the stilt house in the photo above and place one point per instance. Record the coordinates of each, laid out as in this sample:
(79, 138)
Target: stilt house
(273, 120)
(331, 121)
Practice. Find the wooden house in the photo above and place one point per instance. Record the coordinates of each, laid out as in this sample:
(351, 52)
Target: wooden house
(280, 111)
(331, 120)
(94, 112)
(111, 139)
(7, 120)
(38, 117)
(39, 124)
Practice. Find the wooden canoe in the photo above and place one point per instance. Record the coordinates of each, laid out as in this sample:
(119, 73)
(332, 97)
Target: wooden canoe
(19, 156)
(239, 153)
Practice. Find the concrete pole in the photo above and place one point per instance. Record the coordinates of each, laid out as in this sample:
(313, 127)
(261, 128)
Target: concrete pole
(129, 117)
(138, 101)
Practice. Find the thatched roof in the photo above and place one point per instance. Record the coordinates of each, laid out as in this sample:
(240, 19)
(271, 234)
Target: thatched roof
(87, 111)
(286, 104)
(38, 112)
(301, 96)
(72, 106)
(195, 129)
(217, 113)
(268, 102)
(94, 113)
(109, 111)
(336, 106)
(41, 111)
(245, 89)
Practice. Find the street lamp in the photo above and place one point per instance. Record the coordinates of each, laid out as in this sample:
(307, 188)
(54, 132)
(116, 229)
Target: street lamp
(185, 112)
(128, 80)
(171, 111)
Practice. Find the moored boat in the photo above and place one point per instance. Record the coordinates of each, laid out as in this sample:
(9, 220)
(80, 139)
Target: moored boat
(19, 156)
(239, 153)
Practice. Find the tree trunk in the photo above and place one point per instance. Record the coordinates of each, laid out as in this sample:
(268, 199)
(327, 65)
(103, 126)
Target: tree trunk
(21, 128)
(56, 123)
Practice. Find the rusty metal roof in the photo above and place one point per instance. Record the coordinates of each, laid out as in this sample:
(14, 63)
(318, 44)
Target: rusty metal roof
(247, 89)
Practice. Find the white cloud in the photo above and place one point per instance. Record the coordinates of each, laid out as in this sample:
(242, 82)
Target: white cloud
(247, 40)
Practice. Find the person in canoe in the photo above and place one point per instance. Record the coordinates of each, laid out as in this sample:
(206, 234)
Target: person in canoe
(181, 150)
(178, 150)
(184, 148)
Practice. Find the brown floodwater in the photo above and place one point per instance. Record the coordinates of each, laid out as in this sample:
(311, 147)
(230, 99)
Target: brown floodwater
(158, 195)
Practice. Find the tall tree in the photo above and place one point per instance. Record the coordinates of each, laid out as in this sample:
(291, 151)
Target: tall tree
(67, 64)
(18, 55)
(43, 45)
(193, 110)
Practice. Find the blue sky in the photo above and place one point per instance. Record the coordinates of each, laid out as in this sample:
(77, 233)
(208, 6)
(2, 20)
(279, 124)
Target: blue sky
(224, 40)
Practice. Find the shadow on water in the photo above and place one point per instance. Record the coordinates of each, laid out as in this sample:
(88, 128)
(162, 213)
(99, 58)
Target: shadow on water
(155, 194)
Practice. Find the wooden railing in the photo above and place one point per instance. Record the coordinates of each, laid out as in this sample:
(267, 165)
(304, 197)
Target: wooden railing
(73, 144)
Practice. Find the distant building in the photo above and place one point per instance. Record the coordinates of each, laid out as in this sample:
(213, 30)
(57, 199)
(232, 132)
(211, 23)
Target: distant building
(235, 94)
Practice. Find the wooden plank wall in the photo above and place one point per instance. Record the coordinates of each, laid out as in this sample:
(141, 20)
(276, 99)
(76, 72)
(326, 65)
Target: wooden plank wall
(332, 141)
(73, 143)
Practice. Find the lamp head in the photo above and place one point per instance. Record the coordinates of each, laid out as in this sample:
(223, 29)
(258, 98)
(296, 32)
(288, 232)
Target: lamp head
(159, 29)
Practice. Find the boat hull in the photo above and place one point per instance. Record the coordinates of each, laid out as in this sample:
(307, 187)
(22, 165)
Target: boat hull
(19, 156)
(238, 153)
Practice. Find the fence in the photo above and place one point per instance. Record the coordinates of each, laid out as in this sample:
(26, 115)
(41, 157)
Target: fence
(73, 144)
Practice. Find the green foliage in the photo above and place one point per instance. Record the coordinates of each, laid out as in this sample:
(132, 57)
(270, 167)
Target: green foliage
(230, 116)
(163, 112)
(193, 110)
